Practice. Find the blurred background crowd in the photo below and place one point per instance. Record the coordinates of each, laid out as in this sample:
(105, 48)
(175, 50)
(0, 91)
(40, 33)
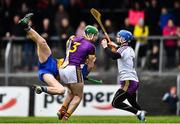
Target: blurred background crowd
(63, 18)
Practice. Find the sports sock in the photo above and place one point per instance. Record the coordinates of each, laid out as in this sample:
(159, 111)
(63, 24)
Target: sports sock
(25, 26)
(138, 112)
(27, 29)
(66, 116)
(44, 89)
(63, 109)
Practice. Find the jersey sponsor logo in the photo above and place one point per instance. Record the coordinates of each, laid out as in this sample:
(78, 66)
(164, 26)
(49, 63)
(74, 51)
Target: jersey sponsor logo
(96, 101)
(99, 98)
(88, 98)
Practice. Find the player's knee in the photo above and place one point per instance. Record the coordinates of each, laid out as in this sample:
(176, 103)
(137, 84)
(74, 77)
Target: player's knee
(114, 103)
(42, 42)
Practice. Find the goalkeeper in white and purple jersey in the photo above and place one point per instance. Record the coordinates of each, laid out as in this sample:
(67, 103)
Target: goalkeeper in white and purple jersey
(129, 82)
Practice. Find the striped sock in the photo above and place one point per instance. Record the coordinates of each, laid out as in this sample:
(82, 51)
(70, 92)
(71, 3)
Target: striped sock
(44, 89)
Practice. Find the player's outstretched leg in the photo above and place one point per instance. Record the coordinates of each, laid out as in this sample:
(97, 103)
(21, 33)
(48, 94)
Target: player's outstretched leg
(117, 102)
(43, 52)
(43, 49)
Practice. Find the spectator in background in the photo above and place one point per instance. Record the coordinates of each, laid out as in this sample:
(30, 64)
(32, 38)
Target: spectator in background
(81, 28)
(46, 30)
(27, 47)
(96, 25)
(46, 8)
(141, 30)
(135, 14)
(1, 27)
(176, 12)
(24, 9)
(178, 45)
(154, 58)
(171, 99)
(166, 3)
(63, 2)
(16, 29)
(127, 25)
(75, 10)
(51, 9)
(125, 4)
(60, 14)
(75, 3)
(152, 17)
(164, 17)
(7, 16)
(110, 31)
(6, 20)
(170, 45)
(29, 50)
(1, 44)
(65, 32)
(97, 44)
(17, 48)
(109, 27)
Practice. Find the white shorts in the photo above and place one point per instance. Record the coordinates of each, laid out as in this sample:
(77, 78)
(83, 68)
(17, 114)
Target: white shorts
(71, 74)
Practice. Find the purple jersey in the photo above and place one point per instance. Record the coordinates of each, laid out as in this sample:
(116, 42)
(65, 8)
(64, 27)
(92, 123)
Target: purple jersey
(80, 49)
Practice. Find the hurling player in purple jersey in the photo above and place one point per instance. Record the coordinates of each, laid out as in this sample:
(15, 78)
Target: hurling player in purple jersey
(80, 50)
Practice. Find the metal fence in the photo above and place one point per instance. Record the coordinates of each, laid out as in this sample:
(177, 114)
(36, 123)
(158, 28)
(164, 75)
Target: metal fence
(10, 40)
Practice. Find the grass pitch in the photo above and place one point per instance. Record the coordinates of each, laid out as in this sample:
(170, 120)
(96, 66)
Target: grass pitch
(92, 119)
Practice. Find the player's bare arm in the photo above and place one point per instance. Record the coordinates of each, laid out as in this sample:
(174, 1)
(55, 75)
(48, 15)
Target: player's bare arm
(90, 62)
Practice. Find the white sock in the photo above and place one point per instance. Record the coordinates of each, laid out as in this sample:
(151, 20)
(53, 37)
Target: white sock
(138, 112)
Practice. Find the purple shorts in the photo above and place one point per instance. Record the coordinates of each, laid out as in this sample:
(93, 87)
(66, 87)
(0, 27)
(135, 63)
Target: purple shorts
(129, 86)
